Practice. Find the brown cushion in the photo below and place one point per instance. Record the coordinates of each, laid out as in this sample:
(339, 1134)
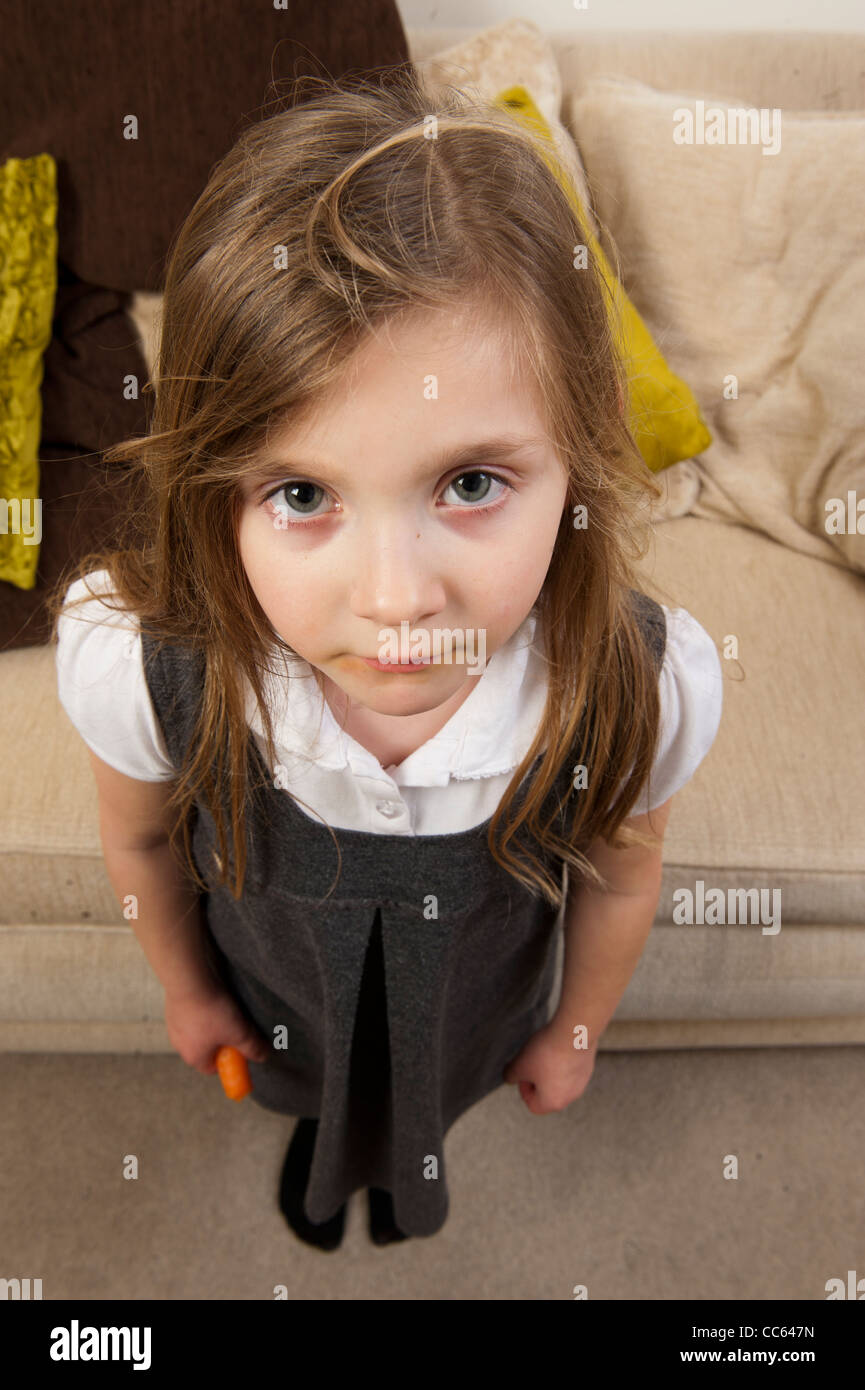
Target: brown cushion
(80, 512)
(193, 74)
(93, 347)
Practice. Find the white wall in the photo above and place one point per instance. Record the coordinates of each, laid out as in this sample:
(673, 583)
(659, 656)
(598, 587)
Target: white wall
(847, 16)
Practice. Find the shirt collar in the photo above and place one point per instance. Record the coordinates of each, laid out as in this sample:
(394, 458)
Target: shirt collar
(488, 735)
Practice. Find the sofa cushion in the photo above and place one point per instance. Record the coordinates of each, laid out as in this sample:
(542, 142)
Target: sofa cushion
(738, 257)
(780, 797)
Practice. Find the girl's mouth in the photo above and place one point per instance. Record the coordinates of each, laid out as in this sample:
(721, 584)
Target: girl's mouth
(399, 670)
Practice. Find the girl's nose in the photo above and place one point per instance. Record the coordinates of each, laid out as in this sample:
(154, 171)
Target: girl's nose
(394, 578)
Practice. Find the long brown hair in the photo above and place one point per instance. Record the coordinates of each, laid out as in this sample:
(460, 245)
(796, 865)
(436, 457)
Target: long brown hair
(320, 223)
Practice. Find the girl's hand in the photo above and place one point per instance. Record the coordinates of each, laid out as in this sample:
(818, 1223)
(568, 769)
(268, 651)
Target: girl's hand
(199, 1024)
(550, 1073)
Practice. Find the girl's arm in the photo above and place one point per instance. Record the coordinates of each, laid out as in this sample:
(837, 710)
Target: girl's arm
(605, 932)
(151, 884)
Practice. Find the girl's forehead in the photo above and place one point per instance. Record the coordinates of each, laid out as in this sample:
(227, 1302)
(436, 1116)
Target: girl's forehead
(474, 347)
(416, 324)
(431, 341)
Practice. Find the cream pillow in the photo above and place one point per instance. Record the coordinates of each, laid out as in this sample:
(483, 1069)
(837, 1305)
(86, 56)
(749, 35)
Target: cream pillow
(749, 267)
(145, 310)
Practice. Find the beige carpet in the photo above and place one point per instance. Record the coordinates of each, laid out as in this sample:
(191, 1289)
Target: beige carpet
(624, 1191)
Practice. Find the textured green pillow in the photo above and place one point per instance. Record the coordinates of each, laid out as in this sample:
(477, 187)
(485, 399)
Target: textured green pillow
(28, 287)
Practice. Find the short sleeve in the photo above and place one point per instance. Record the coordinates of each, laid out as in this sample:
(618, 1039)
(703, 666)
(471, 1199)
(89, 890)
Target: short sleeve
(102, 686)
(690, 686)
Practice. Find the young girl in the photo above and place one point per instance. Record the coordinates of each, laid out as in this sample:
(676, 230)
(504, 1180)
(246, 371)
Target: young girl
(378, 651)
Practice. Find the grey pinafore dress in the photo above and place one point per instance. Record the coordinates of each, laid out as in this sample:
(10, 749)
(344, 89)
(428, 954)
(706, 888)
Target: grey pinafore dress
(394, 994)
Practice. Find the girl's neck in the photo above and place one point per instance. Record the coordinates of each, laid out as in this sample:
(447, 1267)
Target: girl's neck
(392, 737)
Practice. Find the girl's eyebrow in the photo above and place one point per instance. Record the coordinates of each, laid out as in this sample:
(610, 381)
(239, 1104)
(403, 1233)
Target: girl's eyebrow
(499, 449)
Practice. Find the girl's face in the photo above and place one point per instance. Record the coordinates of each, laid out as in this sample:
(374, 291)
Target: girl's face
(366, 518)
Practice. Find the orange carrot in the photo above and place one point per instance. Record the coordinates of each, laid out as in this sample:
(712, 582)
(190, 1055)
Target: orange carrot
(233, 1073)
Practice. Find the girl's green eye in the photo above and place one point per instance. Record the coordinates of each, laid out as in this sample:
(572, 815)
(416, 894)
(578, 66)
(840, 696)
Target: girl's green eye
(306, 503)
(476, 474)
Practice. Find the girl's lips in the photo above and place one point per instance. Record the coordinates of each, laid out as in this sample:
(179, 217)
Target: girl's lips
(376, 665)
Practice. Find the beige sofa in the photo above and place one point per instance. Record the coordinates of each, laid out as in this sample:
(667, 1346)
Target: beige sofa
(779, 802)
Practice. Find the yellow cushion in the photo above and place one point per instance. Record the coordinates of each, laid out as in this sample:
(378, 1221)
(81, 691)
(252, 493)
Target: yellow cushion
(664, 416)
(28, 287)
